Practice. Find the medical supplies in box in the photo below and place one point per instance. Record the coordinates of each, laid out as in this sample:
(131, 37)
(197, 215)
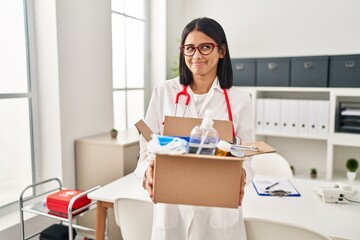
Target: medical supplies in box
(196, 179)
(58, 202)
(204, 137)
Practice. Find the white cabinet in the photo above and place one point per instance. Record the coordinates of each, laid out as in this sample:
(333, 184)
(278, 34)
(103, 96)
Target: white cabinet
(306, 148)
(101, 160)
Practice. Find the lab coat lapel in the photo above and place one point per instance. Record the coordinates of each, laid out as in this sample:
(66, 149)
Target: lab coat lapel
(215, 87)
(206, 102)
(191, 111)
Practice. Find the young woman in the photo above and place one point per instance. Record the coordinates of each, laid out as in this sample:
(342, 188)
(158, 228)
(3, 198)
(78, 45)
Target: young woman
(205, 71)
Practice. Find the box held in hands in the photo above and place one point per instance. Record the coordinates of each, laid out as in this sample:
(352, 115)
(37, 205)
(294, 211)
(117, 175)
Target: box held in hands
(201, 180)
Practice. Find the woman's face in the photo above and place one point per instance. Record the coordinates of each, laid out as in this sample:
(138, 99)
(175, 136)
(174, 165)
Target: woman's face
(202, 65)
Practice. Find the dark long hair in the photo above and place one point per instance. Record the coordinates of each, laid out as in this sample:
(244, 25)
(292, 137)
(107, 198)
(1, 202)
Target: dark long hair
(214, 30)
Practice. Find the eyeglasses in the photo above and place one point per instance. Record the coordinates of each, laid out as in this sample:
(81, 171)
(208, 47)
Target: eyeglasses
(204, 48)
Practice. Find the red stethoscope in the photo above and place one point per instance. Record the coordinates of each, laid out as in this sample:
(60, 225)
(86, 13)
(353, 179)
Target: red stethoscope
(187, 96)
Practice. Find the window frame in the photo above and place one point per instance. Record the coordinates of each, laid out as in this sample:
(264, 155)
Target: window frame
(32, 99)
(146, 84)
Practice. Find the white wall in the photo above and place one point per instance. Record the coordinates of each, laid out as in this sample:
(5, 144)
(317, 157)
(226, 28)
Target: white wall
(85, 74)
(47, 80)
(174, 27)
(157, 42)
(74, 79)
(263, 28)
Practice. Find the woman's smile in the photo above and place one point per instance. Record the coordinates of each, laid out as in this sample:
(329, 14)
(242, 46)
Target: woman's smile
(198, 64)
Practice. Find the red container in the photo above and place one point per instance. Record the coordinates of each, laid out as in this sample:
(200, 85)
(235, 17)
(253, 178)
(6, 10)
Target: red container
(58, 202)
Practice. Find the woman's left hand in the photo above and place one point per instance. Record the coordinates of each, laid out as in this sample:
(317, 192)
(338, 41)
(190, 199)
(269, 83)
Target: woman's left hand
(242, 185)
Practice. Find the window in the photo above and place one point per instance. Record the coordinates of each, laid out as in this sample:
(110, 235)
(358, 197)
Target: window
(16, 104)
(128, 34)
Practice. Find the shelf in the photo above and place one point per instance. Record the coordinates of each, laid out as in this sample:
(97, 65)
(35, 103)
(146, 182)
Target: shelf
(302, 174)
(334, 91)
(326, 151)
(312, 137)
(345, 139)
(340, 176)
(40, 208)
(288, 89)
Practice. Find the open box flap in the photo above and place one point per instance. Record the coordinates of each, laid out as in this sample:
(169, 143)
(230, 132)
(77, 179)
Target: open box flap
(181, 127)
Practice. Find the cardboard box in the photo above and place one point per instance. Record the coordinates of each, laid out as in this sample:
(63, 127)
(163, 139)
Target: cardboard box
(201, 180)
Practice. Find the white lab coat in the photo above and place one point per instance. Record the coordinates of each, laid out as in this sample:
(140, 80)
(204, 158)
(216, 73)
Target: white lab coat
(181, 222)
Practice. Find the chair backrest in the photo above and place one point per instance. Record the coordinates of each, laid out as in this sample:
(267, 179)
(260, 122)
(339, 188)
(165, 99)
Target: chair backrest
(272, 164)
(134, 217)
(262, 229)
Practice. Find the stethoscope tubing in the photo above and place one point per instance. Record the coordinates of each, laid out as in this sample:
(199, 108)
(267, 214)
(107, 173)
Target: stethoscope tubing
(237, 140)
(187, 95)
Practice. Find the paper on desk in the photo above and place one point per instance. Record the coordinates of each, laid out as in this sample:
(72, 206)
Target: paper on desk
(260, 184)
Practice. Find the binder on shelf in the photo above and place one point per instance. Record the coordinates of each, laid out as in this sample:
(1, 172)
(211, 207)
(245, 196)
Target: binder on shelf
(284, 116)
(272, 114)
(275, 115)
(260, 115)
(273, 186)
(293, 116)
(303, 117)
(324, 109)
(313, 119)
(267, 115)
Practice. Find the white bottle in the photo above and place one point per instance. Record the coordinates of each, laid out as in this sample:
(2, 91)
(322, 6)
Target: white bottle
(204, 138)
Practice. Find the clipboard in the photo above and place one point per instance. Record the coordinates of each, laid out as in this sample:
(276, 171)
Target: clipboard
(271, 186)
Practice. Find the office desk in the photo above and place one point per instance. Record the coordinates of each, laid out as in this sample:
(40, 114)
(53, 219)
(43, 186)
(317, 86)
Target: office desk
(337, 220)
(308, 210)
(127, 186)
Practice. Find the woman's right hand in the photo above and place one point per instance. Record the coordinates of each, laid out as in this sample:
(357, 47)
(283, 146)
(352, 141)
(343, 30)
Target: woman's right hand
(149, 179)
